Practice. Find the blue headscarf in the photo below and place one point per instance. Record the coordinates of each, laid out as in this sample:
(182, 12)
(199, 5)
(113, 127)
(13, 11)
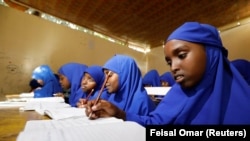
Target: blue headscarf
(50, 84)
(131, 95)
(96, 72)
(221, 97)
(74, 73)
(243, 66)
(152, 78)
(167, 77)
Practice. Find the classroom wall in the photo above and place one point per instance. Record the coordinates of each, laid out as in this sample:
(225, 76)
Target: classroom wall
(27, 41)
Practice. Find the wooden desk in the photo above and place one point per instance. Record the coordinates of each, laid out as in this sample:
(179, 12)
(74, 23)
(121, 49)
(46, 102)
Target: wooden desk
(12, 121)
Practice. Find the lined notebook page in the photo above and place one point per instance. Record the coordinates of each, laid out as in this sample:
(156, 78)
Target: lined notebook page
(119, 131)
(64, 113)
(61, 124)
(37, 103)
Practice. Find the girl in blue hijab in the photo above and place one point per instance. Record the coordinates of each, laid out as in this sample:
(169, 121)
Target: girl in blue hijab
(152, 79)
(46, 78)
(243, 66)
(70, 76)
(125, 85)
(167, 79)
(91, 85)
(208, 89)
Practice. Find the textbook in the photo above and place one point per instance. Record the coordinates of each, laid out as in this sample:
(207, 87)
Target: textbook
(74, 130)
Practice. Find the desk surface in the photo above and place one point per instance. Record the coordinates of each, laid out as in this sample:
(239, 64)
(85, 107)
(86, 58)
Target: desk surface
(12, 121)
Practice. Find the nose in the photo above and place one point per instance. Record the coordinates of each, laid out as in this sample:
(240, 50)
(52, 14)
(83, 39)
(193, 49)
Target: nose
(84, 81)
(174, 66)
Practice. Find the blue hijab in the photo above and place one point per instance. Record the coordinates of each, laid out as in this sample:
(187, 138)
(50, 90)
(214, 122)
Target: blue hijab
(50, 84)
(74, 73)
(131, 95)
(152, 78)
(221, 98)
(96, 72)
(167, 77)
(243, 66)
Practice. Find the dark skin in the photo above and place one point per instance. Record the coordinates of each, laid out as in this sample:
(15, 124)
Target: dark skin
(187, 63)
(88, 85)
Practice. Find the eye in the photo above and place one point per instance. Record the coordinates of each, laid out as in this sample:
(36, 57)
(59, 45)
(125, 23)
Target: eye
(168, 61)
(182, 55)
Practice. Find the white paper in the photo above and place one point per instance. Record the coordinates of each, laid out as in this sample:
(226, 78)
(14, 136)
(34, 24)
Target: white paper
(119, 131)
(66, 123)
(64, 113)
(157, 90)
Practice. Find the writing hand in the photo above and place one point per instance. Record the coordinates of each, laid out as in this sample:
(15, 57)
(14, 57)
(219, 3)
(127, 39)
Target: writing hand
(81, 103)
(103, 109)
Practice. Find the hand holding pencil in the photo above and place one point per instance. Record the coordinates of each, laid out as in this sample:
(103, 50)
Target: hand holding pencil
(103, 109)
(82, 101)
(100, 92)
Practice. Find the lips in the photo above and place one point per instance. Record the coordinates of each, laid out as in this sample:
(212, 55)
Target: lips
(179, 78)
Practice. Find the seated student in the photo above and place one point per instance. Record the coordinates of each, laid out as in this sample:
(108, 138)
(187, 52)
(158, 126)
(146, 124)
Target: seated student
(152, 79)
(208, 89)
(243, 66)
(167, 79)
(34, 85)
(91, 85)
(45, 77)
(125, 85)
(70, 75)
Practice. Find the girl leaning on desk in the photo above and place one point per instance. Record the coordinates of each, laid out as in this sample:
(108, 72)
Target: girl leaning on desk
(70, 76)
(44, 83)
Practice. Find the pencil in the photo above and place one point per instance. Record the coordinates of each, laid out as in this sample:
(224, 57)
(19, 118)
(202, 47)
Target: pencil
(87, 98)
(100, 92)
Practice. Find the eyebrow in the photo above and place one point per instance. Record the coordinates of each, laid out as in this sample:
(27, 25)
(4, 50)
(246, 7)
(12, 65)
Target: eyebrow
(177, 50)
(180, 48)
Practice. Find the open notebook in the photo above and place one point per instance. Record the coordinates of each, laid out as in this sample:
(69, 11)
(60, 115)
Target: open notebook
(74, 130)
(65, 113)
(41, 103)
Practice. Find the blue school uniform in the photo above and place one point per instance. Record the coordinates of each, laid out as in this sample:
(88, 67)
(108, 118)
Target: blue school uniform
(167, 77)
(96, 72)
(243, 66)
(74, 73)
(131, 95)
(50, 84)
(221, 98)
(152, 78)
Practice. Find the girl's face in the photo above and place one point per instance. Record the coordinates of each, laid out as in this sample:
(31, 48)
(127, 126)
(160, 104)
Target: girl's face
(187, 61)
(40, 81)
(164, 84)
(63, 80)
(112, 83)
(88, 83)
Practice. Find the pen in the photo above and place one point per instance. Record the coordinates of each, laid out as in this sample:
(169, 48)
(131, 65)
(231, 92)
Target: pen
(100, 92)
